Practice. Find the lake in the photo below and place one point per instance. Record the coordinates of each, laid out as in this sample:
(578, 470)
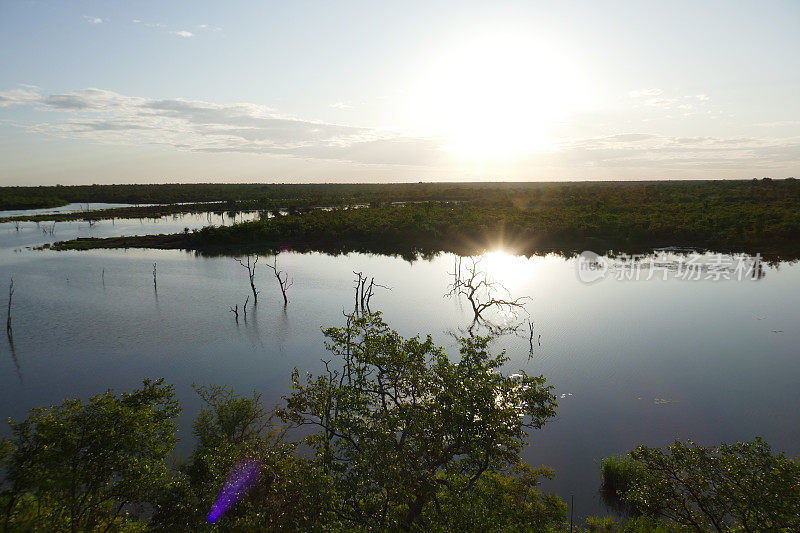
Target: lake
(632, 361)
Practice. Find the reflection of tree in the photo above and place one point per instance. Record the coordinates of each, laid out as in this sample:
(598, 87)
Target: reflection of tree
(14, 357)
(10, 331)
(472, 283)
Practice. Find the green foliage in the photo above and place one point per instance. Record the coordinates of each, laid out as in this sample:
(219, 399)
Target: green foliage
(290, 495)
(630, 217)
(618, 473)
(639, 524)
(399, 423)
(600, 523)
(84, 462)
(507, 501)
(11, 201)
(742, 486)
(754, 217)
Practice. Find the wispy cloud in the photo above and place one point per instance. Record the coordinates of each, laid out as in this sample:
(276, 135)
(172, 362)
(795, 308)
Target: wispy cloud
(183, 33)
(340, 105)
(110, 117)
(645, 92)
(93, 20)
(105, 116)
(657, 98)
(650, 151)
(662, 102)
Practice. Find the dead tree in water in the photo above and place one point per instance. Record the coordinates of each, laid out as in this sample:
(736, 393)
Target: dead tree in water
(17, 224)
(87, 212)
(155, 281)
(480, 292)
(244, 308)
(235, 311)
(251, 272)
(283, 282)
(473, 284)
(365, 292)
(51, 229)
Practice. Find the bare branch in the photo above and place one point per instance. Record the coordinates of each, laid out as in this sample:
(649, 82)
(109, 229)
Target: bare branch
(251, 273)
(283, 279)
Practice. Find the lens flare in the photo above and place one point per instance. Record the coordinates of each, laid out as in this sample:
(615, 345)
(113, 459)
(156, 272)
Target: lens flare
(241, 479)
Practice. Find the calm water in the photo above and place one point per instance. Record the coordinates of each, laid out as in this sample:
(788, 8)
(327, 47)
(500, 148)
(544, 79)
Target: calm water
(637, 361)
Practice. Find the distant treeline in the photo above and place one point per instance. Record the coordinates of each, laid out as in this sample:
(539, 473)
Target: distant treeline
(329, 194)
(757, 216)
(28, 201)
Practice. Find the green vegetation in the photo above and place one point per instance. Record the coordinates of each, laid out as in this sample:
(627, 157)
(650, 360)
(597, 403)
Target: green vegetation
(754, 217)
(618, 474)
(332, 194)
(77, 465)
(738, 487)
(12, 201)
(400, 425)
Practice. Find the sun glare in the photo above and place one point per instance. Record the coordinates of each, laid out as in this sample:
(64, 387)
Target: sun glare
(506, 268)
(497, 96)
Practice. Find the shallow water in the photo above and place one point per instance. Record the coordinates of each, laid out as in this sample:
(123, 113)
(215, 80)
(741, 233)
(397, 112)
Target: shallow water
(637, 361)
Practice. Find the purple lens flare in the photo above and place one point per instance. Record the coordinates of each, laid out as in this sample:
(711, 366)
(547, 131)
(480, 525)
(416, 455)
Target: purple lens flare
(241, 479)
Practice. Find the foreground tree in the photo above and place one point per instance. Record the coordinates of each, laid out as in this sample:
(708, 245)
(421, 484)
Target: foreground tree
(289, 494)
(83, 463)
(403, 430)
(737, 487)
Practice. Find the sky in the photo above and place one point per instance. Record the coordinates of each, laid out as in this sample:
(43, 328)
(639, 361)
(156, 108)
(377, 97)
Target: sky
(140, 91)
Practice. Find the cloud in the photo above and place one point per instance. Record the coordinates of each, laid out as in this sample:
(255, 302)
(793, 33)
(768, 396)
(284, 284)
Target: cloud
(183, 33)
(779, 123)
(662, 102)
(645, 92)
(103, 116)
(340, 105)
(29, 95)
(93, 20)
(650, 151)
(186, 125)
(657, 98)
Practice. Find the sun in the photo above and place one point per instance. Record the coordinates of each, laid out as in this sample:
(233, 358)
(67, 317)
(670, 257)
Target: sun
(506, 268)
(498, 95)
